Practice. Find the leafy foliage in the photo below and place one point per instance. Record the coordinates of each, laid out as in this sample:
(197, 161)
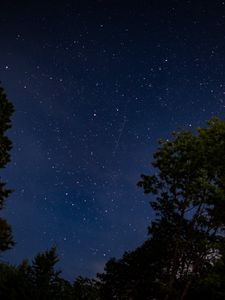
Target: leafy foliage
(189, 189)
(185, 251)
(85, 289)
(6, 110)
(37, 281)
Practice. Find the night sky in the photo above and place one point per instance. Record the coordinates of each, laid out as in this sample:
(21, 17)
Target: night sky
(95, 85)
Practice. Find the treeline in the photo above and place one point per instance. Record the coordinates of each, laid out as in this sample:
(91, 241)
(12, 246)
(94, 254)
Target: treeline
(184, 256)
(137, 275)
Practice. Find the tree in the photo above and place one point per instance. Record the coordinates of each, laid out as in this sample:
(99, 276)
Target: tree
(6, 110)
(188, 189)
(134, 276)
(16, 282)
(44, 275)
(211, 286)
(38, 280)
(85, 289)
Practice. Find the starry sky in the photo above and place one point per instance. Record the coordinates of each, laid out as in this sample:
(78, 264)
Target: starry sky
(95, 85)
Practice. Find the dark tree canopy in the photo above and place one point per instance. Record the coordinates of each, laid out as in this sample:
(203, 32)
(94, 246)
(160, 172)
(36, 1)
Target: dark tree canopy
(36, 281)
(188, 191)
(6, 110)
(184, 255)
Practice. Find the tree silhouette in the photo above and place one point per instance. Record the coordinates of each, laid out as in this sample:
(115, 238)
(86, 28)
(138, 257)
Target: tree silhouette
(189, 189)
(6, 110)
(36, 281)
(44, 275)
(85, 289)
(184, 255)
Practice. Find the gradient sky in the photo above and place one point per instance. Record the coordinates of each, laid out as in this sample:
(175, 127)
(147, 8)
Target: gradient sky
(95, 85)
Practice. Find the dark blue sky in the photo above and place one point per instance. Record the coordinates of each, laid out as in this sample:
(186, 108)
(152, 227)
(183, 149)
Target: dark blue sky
(95, 85)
